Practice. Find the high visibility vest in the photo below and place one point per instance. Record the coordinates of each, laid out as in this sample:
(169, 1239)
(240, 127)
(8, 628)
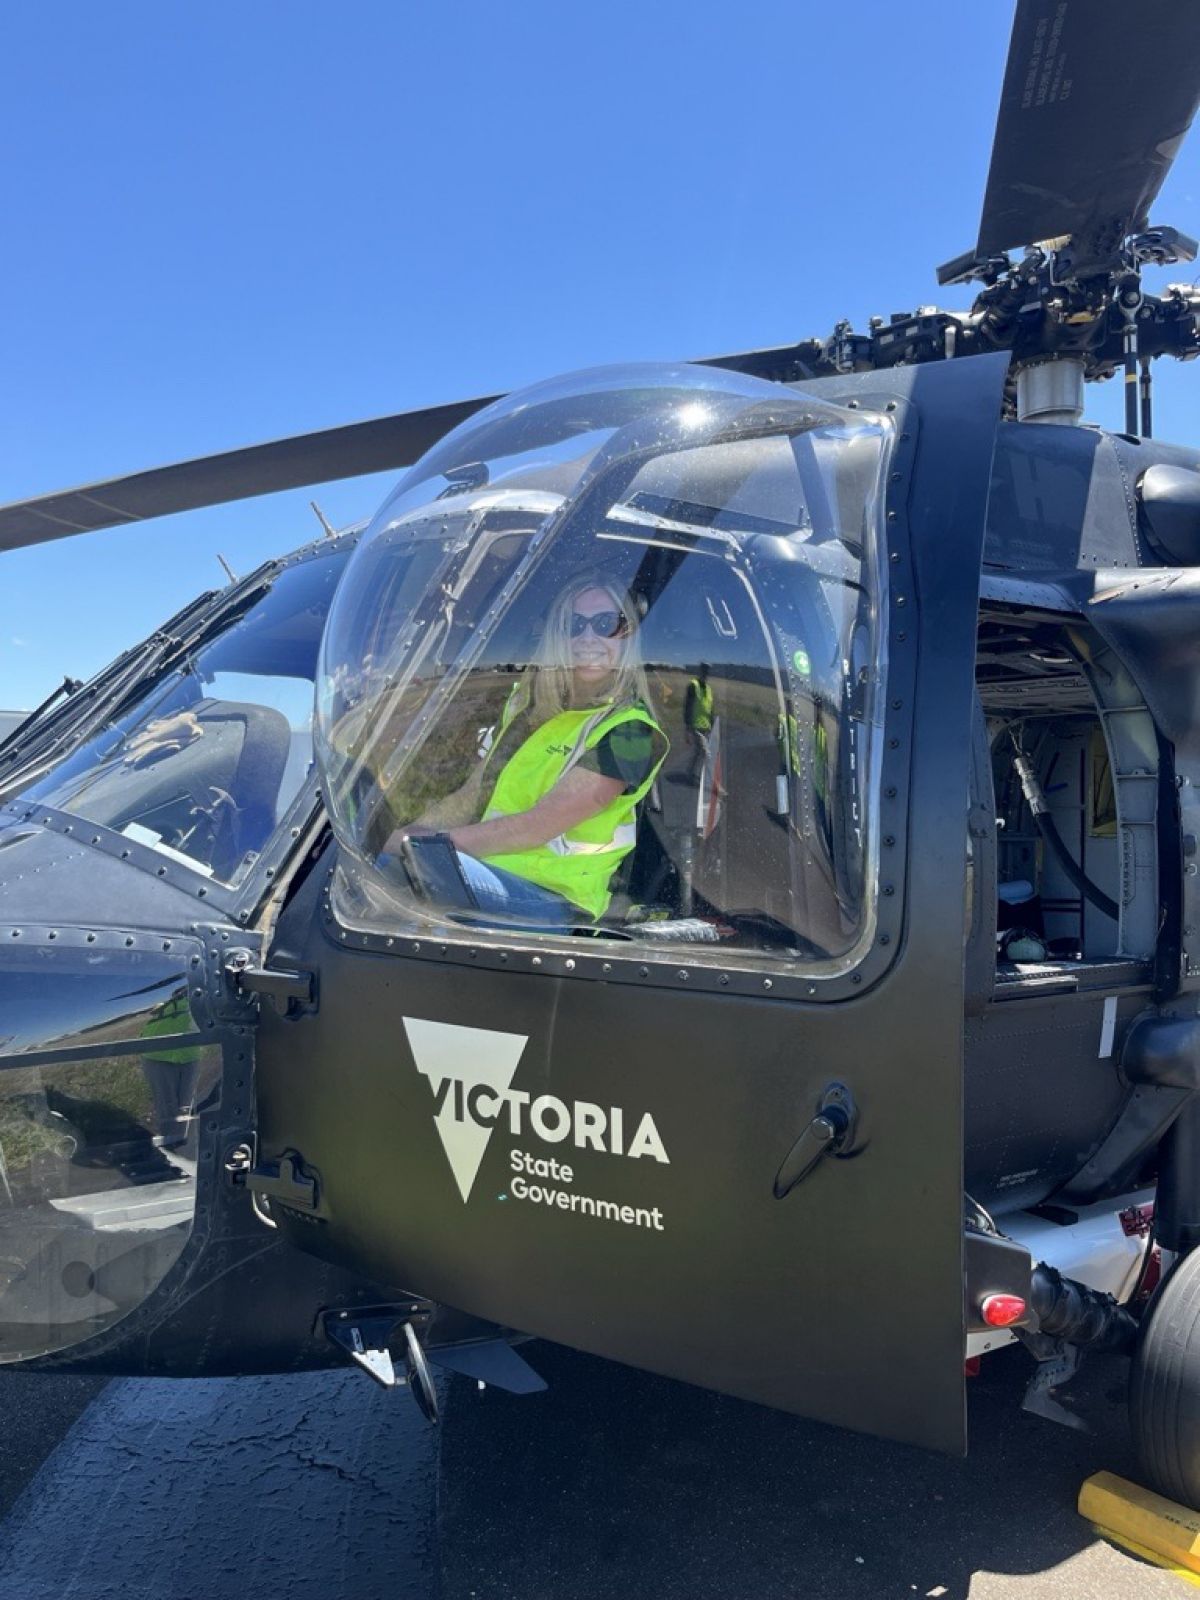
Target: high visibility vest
(700, 706)
(174, 1018)
(579, 864)
(817, 773)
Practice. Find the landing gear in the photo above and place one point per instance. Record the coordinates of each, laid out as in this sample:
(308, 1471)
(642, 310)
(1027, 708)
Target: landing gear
(1164, 1390)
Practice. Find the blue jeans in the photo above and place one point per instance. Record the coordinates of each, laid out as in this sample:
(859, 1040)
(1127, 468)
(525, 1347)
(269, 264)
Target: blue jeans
(505, 892)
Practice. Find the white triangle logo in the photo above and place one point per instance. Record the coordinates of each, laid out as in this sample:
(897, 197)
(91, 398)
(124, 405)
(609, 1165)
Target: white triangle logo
(471, 1057)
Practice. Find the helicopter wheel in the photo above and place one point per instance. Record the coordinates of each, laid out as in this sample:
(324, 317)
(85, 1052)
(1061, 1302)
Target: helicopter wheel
(1164, 1387)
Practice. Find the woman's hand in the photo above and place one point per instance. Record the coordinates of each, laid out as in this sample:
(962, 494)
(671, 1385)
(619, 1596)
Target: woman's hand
(410, 830)
(162, 737)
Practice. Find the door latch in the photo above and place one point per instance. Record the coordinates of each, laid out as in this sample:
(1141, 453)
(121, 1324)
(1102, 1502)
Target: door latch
(831, 1132)
(286, 1180)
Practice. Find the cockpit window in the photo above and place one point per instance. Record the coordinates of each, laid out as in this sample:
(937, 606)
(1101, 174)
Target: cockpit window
(608, 664)
(205, 759)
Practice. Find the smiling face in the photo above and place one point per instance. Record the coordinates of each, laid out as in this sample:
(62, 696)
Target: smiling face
(597, 647)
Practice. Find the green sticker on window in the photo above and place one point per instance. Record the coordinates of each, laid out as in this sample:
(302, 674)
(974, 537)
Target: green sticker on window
(801, 663)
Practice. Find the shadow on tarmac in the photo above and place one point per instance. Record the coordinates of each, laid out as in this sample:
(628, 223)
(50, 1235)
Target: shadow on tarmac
(613, 1484)
(616, 1483)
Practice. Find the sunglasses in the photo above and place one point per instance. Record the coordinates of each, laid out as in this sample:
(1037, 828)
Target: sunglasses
(604, 624)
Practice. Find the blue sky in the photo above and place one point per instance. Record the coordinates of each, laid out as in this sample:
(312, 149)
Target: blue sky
(227, 223)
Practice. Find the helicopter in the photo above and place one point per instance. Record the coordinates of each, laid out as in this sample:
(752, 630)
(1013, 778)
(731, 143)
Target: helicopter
(853, 1031)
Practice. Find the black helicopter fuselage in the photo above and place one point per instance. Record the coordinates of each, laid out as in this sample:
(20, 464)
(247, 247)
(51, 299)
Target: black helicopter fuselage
(651, 1181)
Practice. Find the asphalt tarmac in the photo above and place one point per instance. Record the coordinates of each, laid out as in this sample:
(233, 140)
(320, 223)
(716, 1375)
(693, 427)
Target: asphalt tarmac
(35, 1412)
(612, 1484)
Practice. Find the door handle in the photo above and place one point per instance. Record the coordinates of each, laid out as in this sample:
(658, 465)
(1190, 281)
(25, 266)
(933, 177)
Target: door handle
(830, 1132)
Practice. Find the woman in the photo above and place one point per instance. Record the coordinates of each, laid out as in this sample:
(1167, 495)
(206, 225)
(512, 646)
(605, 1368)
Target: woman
(557, 791)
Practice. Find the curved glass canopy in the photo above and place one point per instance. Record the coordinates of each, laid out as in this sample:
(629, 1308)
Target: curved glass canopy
(609, 662)
(201, 760)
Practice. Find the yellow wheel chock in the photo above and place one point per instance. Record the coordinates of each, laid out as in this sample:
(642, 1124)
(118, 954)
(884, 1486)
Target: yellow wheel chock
(1148, 1524)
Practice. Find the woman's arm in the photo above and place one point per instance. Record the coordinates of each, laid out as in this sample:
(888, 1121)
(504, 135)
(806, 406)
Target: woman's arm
(459, 806)
(440, 815)
(578, 795)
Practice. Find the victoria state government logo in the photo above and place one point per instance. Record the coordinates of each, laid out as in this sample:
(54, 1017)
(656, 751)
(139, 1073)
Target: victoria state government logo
(470, 1071)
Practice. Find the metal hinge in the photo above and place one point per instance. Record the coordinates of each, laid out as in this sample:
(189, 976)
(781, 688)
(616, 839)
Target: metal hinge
(289, 992)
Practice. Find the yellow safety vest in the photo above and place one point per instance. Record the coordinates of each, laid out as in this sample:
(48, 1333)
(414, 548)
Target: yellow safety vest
(702, 702)
(579, 864)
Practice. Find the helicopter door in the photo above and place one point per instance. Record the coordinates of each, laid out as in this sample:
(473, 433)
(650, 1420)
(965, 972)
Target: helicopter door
(129, 872)
(707, 1123)
(128, 1242)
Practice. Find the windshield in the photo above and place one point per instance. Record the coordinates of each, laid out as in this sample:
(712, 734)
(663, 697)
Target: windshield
(208, 755)
(608, 662)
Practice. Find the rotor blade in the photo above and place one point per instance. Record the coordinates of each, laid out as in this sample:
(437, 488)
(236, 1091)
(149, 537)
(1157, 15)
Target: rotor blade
(346, 452)
(1097, 97)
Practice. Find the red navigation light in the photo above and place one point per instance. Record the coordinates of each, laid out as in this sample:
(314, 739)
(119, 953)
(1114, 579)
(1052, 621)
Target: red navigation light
(1002, 1310)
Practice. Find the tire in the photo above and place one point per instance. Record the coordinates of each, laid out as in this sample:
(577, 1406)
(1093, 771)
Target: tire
(1164, 1387)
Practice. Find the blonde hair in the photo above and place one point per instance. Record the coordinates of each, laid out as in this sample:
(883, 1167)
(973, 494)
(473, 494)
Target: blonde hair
(554, 669)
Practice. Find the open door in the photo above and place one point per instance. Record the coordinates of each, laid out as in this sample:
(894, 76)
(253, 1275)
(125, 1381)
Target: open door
(130, 867)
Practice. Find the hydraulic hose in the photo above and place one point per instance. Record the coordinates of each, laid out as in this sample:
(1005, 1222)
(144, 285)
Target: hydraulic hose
(1049, 832)
(1045, 825)
(1079, 1315)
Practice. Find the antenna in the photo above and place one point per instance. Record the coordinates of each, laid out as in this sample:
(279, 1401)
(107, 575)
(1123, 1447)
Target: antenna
(229, 572)
(330, 530)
